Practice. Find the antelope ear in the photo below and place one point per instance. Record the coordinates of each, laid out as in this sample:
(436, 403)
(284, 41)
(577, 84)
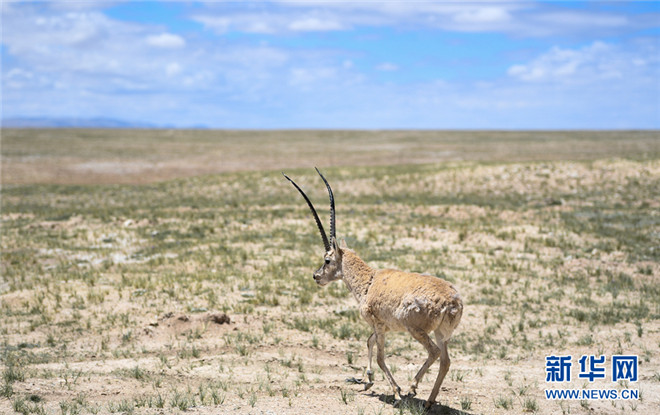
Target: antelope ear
(335, 246)
(342, 244)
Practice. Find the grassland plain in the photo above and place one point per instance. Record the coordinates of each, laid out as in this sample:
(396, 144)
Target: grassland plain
(110, 293)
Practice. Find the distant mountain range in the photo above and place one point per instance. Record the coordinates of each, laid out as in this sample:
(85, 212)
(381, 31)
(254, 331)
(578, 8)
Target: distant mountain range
(42, 122)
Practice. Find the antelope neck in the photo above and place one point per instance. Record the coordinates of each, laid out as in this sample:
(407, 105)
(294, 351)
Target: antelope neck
(356, 274)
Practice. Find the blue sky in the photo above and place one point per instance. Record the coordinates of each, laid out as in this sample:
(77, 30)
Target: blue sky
(368, 64)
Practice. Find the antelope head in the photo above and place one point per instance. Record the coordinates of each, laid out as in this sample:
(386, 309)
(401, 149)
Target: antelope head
(330, 270)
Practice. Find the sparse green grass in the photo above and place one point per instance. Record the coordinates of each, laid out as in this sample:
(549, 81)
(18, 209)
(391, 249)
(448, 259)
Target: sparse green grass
(545, 253)
(530, 405)
(504, 402)
(458, 375)
(411, 407)
(347, 396)
(466, 403)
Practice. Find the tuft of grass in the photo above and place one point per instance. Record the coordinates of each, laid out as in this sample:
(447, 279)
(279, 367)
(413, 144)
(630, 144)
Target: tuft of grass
(504, 402)
(346, 396)
(530, 405)
(412, 407)
(458, 375)
(466, 403)
(28, 406)
(182, 400)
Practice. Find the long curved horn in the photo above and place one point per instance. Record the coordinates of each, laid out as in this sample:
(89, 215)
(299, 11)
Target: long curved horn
(316, 217)
(332, 207)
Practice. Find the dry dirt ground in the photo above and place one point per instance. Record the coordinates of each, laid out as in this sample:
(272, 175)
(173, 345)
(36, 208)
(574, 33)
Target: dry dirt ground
(194, 294)
(91, 156)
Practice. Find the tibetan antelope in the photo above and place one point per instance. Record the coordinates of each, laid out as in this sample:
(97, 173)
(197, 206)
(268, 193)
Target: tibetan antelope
(391, 300)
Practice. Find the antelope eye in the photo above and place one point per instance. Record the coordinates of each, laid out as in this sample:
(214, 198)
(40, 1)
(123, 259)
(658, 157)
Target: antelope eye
(327, 260)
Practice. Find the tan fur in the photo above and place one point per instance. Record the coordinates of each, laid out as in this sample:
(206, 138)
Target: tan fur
(392, 300)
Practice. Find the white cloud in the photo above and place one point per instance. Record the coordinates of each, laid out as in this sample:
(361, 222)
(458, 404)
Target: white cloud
(18, 78)
(576, 19)
(513, 18)
(199, 79)
(82, 30)
(304, 77)
(241, 22)
(480, 15)
(172, 69)
(217, 23)
(387, 67)
(313, 24)
(596, 62)
(269, 23)
(166, 40)
(334, 16)
(91, 64)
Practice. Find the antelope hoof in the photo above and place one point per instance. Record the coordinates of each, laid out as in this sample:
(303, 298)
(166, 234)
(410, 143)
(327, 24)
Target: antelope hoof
(413, 391)
(368, 385)
(397, 393)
